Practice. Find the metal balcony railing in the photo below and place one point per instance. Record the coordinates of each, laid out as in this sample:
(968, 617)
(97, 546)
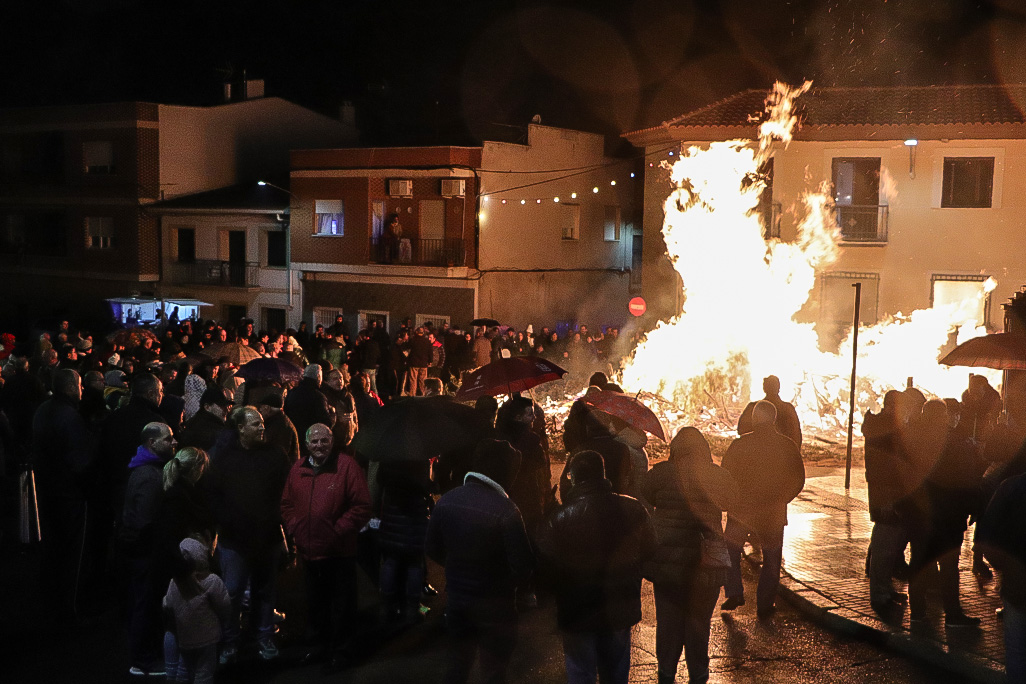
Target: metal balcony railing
(418, 252)
(769, 213)
(861, 223)
(214, 272)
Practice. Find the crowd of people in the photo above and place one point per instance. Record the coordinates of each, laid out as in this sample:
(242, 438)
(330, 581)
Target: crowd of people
(158, 465)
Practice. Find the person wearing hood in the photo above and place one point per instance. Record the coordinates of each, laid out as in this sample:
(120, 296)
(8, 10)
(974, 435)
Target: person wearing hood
(476, 533)
(770, 473)
(688, 493)
(202, 430)
(143, 499)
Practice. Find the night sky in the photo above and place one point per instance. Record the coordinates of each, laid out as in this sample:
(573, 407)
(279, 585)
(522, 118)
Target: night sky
(457, 72)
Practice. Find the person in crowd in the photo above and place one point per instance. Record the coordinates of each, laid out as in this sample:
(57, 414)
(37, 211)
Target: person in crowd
(368, 357)
(593, 547)
(244, 483)
(476, 533)
(481, 349)
(305, 404)
(171, 407)
(185, 510)
(1002, 536)
(405, 509)
(63, 451)
(887, 475)
(366, 401)
(195, 386)
(418, 360)
(586, 428)
(787, 418)
(279, 431)
(981, 406)
(197, 608)
(950, 478)
(688, 494)
(202, 430)
(530, 489)
(324, 506)
(119, 437)
(21, 395)
(769, 471)
(93, 407)
(137, 538)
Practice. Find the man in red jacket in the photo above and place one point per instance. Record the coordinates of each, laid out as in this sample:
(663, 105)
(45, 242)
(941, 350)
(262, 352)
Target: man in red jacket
(325, 504)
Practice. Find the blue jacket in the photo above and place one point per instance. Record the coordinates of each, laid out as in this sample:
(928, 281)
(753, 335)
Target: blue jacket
(477, 533)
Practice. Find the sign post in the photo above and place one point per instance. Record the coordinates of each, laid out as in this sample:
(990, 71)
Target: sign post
(851, 403)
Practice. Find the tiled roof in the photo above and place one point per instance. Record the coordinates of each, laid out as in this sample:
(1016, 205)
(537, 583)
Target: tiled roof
(874, 106)
(248, 197)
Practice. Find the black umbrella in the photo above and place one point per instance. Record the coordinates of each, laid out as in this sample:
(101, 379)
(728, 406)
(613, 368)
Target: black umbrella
(417, 429)
(275, 370)
(485, 322)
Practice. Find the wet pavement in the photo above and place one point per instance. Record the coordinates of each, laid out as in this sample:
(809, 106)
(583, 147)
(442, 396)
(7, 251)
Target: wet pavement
(824, 576)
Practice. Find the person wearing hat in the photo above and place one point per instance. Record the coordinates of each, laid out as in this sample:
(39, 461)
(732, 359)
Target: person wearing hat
(477, 534)
(202, 430)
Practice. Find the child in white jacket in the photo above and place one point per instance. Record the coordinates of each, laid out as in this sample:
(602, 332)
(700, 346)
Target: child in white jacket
(196, 606)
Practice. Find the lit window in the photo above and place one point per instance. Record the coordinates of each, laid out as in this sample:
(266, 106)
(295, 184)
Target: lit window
(99, 232)
(329, 217)
(968, 182)
(969, 293)
(98, 157)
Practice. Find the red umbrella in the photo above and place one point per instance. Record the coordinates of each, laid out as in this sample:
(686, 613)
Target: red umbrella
(506, 376)
(1002, 351)
(626, 408)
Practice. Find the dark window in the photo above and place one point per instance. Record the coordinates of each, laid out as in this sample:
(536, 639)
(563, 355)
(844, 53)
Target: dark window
(636, 262)
(275, 319)
(186, 245)
(34, 233)
(968, 182)
(235, 313)
(277, 252)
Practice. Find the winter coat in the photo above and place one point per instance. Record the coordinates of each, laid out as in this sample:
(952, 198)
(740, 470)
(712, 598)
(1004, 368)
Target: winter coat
(787, 422)
(482, 351)
(201, 431)
(769, 473)
(405, 507)
(306, 405)
(63, 447)
(120, 436)
(184, 512)
(325, 508)
(144, 496)
(420, 351)
(244, 488)
(594, 547)
(887, 466)
(531, 487)
(477, 533)
(198, 620)
(281, 432)
(688, 497)
(1001, 534)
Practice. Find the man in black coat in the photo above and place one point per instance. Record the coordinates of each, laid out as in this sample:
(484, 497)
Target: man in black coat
(63, 450)
(477, 534)
(244, 484)
(202, 430)
(594, 546)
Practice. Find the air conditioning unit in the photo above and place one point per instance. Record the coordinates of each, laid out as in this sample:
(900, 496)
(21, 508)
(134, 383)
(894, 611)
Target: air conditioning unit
(453, 187)
(400, 188)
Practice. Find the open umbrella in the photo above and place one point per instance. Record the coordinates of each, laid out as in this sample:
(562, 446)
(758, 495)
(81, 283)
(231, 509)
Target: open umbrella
(132, 337)
(1003, 351)
(505, 376)
(237, 353)
(626, 408)
(275, 370)
(485, 322)
(418, 428)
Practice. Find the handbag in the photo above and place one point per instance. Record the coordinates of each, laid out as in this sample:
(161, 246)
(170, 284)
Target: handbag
(714, 555)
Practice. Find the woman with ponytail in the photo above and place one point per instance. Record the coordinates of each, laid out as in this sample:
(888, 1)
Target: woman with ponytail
(184, 512)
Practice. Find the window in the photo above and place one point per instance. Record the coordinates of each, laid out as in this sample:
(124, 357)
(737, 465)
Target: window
(965, 291)
(277, 248)
(570, 221)
(328, 217)
(837, 304)
(365, 318)
(99, 232)
(612, 224)
(968, 182)
(324, 315)
(435, 320)
(186, 245)
(857, 199)
(98, 157)
(274, 319)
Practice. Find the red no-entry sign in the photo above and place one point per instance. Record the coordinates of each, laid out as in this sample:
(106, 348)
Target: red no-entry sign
(637, 306)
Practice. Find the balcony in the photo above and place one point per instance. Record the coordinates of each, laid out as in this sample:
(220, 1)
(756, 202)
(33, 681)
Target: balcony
(213, 272)
(419, 252)
(861, 223)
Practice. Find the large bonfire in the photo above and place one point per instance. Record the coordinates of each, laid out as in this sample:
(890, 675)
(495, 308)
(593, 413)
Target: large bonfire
(742, 292)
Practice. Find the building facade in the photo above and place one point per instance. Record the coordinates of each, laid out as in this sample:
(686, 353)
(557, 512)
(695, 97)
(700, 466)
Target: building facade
(922, 184)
